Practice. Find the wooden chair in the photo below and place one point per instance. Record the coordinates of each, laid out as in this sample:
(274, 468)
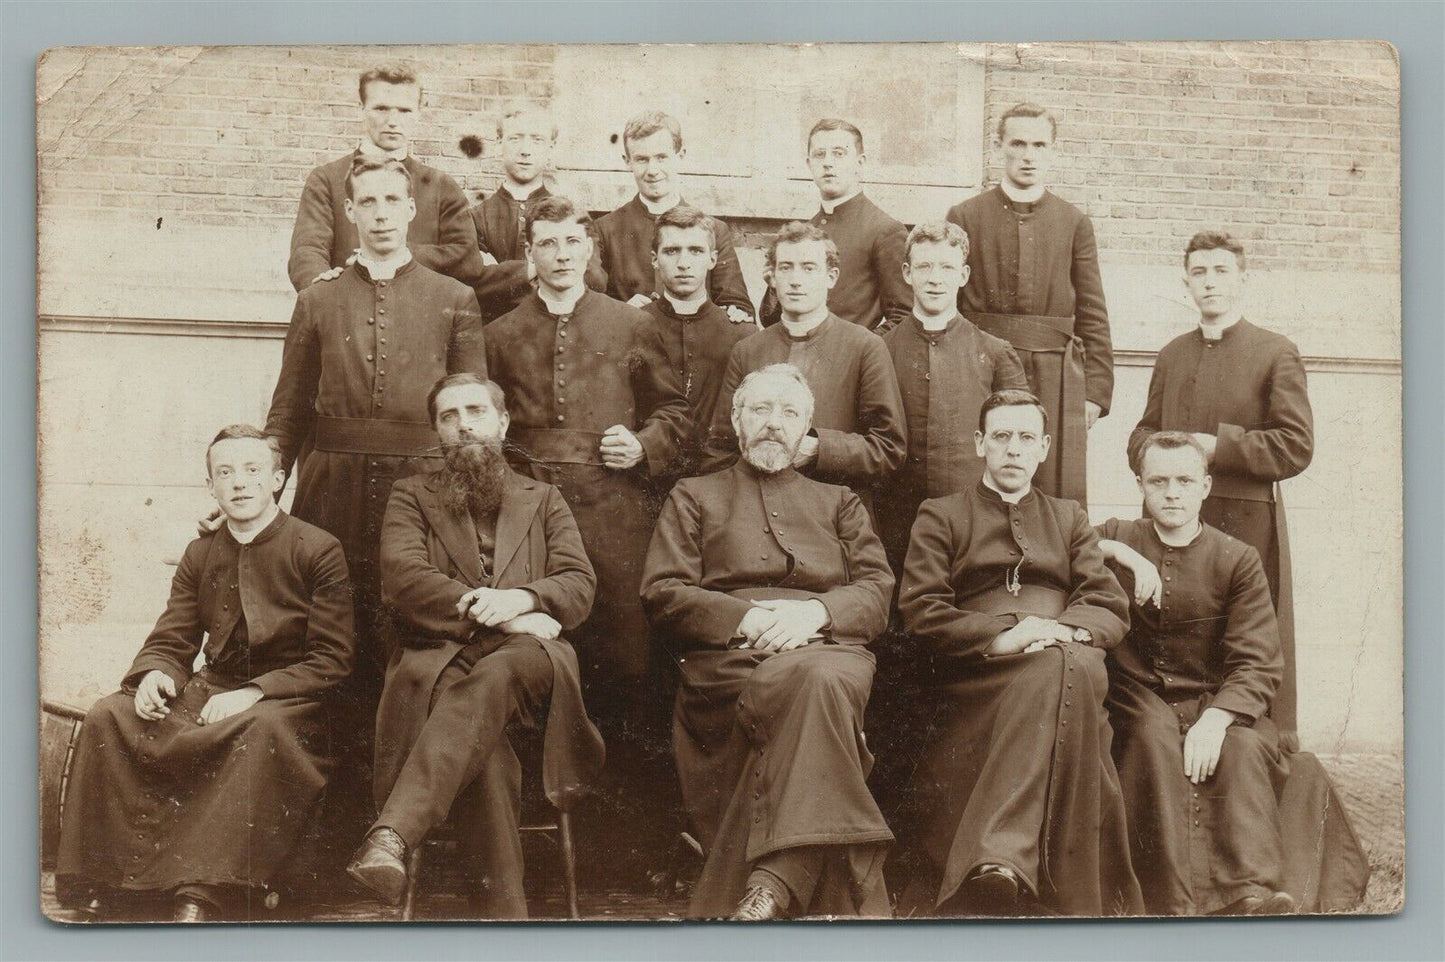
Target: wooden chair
(557, 829)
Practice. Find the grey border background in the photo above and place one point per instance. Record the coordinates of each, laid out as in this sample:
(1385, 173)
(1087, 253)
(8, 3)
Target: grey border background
(1417, 29)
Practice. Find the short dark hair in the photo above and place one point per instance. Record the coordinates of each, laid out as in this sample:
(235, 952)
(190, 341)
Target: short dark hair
(555, 209)
(1172, 441)
(1212, 240)
(499, 396)
(388, 73)
(365, 165)
(834, 123)
(1009, 398)
(796, 232)
(1029, 110)
(682, 217)
(232, 432)
(938, 232)
(648, 123)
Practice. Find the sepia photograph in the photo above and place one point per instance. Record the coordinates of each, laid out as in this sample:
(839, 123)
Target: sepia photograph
(746, 482)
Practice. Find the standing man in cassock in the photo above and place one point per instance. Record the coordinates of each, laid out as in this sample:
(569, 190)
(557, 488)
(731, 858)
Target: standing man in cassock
(1240, 390)
(596, 409)
(698, 335)
(483, 568)
(1036, 284)
(528, 136)
(652, 148)
(325, 237)
(349, 412)
(198, 784)
(768, 585)
(1213, 827)
(946, 368)
(858, 434)
(870, 290)
(1007, 590)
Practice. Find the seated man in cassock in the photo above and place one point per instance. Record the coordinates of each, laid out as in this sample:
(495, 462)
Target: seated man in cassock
(198, 784)
(1007, 592)
(1190, 692)
(768, 585)
(482, 569)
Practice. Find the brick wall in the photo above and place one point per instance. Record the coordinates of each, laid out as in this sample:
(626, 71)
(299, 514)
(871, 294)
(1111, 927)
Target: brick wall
(1294, 146)
(225, 136)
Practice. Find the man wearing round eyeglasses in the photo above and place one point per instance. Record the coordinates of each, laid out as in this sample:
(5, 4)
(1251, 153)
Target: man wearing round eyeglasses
(1008, 595)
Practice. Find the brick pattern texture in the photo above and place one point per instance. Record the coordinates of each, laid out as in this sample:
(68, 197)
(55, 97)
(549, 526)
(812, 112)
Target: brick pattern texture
(1294, 146)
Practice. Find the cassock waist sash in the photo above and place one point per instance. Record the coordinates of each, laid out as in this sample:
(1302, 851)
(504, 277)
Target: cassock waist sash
(397, 439)
(1061, 391)
(556, 445)
(1040, 601)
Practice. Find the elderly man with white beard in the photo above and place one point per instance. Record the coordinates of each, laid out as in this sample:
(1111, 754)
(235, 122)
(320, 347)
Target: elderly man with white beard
(481, 569)
(768, 585)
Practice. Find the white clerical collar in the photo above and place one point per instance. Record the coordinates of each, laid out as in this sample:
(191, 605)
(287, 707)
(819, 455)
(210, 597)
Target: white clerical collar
(690, 306)
(932, 324)
(804, 328)
(522, 192)
(831, 205)
(566, 303)
(1014, 498)
(385, 270)
(369, 149)
(1213, 332)
(1174, 539)
(1019, 196)
(246, 537)
(659, 207)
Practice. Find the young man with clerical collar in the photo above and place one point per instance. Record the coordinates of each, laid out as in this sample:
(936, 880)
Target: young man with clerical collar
(653, 150)
(870, 291)
(1213, 826)
(697, 334)
(1036, 284)
(1008, 595)
(527, 134)
(482, 570)
(1241, 391)
(598, 410)
(858, 435)
(768, 586)
(349, 408)
(946, 368)
(442, 237)
(197, 784)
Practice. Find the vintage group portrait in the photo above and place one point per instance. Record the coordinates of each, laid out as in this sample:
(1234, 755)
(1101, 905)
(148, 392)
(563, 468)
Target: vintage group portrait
(743, 482)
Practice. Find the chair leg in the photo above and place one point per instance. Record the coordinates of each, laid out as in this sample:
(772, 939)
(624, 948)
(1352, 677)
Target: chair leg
(569, 863)
(413, 875)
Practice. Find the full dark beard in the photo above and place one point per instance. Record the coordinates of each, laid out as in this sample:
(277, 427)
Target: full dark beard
(474, 476)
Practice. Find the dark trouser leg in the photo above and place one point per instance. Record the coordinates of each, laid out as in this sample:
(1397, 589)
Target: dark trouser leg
(1247, 853)
(488, 815)
(795, 871)
(471, 706)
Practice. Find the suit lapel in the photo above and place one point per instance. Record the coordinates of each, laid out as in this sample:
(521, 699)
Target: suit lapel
(519, 506)
(458, 533)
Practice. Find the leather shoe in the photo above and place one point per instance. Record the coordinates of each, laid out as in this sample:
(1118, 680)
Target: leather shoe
(380, 865)
(1274, 903)
(190, 910)
(759, 904)
(991, 889)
